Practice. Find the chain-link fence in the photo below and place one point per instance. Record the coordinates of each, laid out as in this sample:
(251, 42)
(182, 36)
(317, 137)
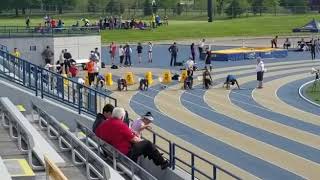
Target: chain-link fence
(179, 10)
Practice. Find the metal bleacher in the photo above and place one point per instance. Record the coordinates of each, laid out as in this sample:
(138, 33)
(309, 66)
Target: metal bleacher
(33, 147)
(100, 160)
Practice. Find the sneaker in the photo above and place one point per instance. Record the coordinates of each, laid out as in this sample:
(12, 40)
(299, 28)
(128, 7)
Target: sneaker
(165, 165)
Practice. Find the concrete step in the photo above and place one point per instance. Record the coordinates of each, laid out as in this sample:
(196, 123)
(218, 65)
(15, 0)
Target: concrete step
(19, 169)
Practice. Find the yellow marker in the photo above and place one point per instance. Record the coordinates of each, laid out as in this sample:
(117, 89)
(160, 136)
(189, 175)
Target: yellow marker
(21, 108)
(24, 166)
(184, 75)
(65, 80)
(149, 78)
(129, 78)
(64, 126)
(167, 78)
(108, 78)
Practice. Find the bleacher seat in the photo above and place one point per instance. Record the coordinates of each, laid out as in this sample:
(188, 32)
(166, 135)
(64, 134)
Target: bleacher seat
(19, 169)
(4, 174)
(40, 146)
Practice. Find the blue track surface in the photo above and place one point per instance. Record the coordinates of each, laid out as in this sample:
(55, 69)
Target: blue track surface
(289, 94)
(140, 103)
(244, 100)
(259, 134)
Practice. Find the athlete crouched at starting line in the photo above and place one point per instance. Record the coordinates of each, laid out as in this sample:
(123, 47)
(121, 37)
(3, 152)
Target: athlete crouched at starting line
(144, 85)
(207, 79)
(231, 80)
(122, 84)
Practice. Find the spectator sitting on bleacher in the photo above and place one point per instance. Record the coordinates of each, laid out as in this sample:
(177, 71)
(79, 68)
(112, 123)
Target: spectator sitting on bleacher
(115, 132)
(142, 123)
(106, 114)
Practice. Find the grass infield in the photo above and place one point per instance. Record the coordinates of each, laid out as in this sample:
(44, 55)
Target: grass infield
(193, 29)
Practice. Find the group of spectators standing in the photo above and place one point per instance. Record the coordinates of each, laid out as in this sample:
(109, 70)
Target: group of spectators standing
(117, 22)
(113, 127)
(48, 23)
(65, 64)
(125, 53)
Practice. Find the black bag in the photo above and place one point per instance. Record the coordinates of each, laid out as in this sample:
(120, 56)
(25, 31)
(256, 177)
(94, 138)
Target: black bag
(114, 67)
(175, 77)
(178, 64)
(103, 65)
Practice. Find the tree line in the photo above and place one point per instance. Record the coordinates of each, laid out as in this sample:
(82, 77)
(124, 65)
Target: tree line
(232, 8)
(235, 8)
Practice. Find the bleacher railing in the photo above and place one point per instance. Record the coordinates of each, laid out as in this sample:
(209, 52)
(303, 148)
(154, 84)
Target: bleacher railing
(46, 83)
(87, 100)
(43, 31)
(68, 142)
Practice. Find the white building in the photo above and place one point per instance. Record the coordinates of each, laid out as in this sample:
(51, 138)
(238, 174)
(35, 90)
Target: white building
(32, 47)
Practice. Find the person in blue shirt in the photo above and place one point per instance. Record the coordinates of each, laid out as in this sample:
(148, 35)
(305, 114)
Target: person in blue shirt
(231, 80)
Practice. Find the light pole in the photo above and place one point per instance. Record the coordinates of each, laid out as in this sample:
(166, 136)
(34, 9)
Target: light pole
(210, 11)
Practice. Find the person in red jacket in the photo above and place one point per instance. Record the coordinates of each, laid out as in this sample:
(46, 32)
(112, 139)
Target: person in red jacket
(115, 132)
(73, 70)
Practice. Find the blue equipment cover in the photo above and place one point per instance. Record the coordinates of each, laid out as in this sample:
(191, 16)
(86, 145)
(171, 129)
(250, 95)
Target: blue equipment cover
(312, 26)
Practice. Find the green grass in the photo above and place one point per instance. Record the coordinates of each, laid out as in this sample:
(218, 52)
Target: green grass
(186, 29)
(314, 95)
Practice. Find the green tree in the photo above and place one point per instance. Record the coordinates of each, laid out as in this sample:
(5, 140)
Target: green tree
(236, 7)
(296, 6)
(115, 7)
(220, 5)
(147, 8)
(257, 6)
(271, 5)
(96, 5)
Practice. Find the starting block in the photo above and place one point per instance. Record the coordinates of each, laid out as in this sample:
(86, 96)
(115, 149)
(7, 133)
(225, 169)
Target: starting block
(129, 78)
(149, 77)
(108, 78)
(167, 77)
(184, 75)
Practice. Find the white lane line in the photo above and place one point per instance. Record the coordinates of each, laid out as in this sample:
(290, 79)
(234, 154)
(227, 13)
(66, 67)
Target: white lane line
(305, 98)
